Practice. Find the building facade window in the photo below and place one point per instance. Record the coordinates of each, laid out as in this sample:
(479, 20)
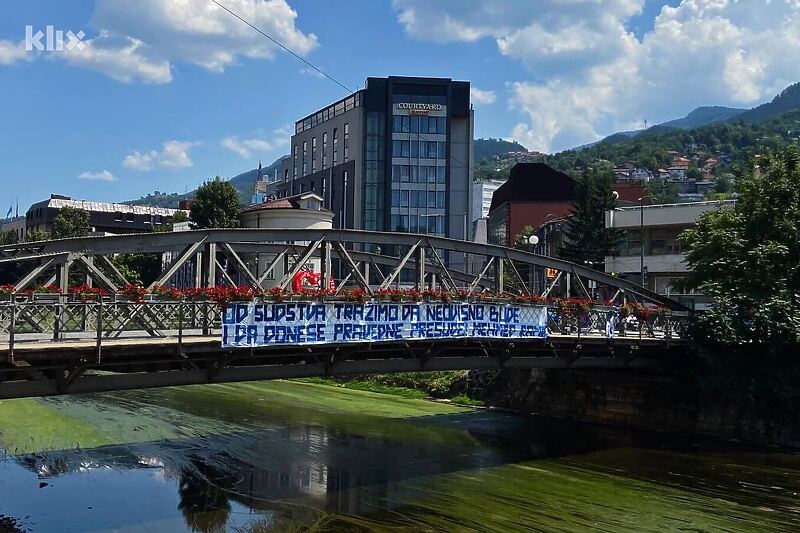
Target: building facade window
(313, 154)
(294, 160)
(305, 156)
(420, 125)
(325, 149)
(335, 147)
(374, 171)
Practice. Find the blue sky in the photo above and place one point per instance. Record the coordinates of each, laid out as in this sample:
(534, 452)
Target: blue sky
(166, 93)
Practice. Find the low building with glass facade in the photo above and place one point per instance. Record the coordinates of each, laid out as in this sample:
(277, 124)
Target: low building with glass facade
(395, 156)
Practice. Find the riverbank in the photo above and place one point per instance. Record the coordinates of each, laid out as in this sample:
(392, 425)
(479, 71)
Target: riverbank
(457, 387)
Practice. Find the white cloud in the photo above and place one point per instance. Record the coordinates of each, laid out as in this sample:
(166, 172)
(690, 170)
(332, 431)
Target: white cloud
(11, 52)
(103, 175)
(245, 148)
(591, 76)
(124, 59)
(174, 154)
(480, 96)
(139, 41)
(202, 33)
(308, 71)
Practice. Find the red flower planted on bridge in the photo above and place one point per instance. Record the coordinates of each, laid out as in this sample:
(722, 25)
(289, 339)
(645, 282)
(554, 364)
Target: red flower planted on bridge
(641, 312)
(578, 307)
(242, 293)
(277, 294)
(393, 295)
(316, 294)
(86, 293)
(219, 294)
(7, 289)
(355, 295)
(166, 293)
(133, 291)
(194, 293)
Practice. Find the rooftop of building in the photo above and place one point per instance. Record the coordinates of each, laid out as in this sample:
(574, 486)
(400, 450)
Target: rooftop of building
(534, 182)
(356, 99)
(297, 201)
(57, 201)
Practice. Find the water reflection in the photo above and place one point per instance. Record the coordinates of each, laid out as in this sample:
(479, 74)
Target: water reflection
(446, 472)
(203, 494)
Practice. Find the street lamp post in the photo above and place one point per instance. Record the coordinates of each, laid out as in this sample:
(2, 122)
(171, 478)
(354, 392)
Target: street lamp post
(641, 239)
(533, 240)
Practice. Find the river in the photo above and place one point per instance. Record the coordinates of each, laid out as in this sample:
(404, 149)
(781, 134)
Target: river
(292, 457)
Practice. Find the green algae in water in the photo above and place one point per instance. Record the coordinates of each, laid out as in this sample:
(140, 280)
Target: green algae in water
(92, 420)
(572, 495)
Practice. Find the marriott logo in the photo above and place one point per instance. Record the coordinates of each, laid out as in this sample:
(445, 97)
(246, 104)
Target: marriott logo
(53, 40)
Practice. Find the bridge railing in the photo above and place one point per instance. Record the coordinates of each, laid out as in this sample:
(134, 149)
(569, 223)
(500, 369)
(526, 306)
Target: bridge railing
(58, 318)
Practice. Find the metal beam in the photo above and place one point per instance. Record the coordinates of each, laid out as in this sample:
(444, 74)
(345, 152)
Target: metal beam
(519, 277)
(270, 267)
(36, 272)
(420, 281)
(353, 267)
(482, 273)
(240, 265)
(444, 268)
(111, 266)
(158, 242)
(178, 263)
(396, 272)
(96, 273)
(301, 262)
(225, 274)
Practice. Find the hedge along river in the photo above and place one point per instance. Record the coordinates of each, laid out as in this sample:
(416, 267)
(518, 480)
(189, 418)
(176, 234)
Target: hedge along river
(289, 456)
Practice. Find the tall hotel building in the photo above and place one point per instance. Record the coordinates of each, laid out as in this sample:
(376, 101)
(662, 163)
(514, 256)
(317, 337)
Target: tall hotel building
(395, 156)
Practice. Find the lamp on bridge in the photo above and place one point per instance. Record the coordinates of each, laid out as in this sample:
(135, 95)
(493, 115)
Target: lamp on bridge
(533, 240)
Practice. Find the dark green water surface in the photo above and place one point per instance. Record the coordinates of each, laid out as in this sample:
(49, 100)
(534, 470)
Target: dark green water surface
(284, 456)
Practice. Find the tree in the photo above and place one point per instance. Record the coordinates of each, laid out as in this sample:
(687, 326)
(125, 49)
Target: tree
(8, 237)
(662, 191)
(694, 173)
(215, 205)
(521, 239)
(141, 268)
(35, 235)
(71, 222)
(587, 240)
(747, 258)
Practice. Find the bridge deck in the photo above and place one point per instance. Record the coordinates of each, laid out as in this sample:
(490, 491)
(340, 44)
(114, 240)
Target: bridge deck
(41, 368)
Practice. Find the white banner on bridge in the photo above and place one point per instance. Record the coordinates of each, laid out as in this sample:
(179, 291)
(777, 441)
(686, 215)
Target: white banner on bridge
(264, 324)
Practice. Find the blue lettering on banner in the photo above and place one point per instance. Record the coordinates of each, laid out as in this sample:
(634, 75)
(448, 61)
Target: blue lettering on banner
(264, 324)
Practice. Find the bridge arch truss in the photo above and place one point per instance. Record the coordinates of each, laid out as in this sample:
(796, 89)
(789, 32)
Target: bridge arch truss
(262, 258)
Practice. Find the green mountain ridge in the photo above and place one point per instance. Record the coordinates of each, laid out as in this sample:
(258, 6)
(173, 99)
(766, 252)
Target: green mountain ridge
(701, 116)
(736, 139)
(786, 100)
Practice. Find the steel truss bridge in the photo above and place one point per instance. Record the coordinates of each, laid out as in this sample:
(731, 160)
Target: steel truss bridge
(52, 344)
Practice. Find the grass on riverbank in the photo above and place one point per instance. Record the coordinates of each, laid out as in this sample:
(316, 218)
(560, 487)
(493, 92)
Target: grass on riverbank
(413, 385)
